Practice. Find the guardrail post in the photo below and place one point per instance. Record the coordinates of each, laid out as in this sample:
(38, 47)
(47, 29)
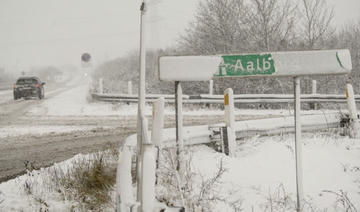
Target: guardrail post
(211, 87)
(124, 191)
(129, 87)
(101, 86)
(230, 120)
(354, 117)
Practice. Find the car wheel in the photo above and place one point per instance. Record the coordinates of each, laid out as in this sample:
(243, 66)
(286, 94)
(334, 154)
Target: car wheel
(15, 97)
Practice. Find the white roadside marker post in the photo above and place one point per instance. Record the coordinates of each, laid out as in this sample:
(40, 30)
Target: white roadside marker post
(314, 88)
(124, 190)
(129, 87)
(101, 86)
(230, 122)
(298, 146)
(353, 115)
(148, 170)
(179, 122)
(157, 127)
(157, 122)
(141, 104)
(314, 105)
(211, 87)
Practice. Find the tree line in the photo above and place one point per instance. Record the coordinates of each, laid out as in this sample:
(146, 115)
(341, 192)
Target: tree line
(246, 26)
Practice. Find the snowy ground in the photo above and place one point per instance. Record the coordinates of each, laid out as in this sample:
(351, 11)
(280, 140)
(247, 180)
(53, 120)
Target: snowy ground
(40, 130)
(263, 166)
(262, 175)
(6, 95)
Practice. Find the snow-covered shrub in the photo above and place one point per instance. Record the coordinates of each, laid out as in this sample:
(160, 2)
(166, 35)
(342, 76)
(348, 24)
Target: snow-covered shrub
(186, 188)
(89, 181)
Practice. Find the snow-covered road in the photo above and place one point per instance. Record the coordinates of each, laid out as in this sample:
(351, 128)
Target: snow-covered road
(65, 123)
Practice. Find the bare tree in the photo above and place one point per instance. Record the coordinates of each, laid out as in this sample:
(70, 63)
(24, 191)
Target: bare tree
(271, 23)
(218, 28)
(316, 22)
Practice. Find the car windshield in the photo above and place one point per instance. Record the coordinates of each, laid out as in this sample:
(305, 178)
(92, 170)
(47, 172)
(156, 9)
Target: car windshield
(26, 81)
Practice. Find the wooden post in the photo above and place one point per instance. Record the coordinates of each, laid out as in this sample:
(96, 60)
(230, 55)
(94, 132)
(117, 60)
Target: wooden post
(354, 117)
(298, 146)
(230, 120)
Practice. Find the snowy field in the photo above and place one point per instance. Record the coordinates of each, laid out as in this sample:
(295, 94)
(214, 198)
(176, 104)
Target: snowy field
(260, 178)
(75, 102)
(264, 171)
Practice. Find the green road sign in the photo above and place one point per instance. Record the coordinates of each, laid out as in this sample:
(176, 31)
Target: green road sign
(243, 65)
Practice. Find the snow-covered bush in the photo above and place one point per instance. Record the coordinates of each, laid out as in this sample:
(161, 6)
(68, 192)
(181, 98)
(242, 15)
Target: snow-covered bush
(187, 188)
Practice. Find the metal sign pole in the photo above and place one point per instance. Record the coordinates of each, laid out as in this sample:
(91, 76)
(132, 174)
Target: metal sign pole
(298, 145)
(141, 102)
(179, 122)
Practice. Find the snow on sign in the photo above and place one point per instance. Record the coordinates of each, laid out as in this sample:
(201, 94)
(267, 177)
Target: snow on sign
(298, 63)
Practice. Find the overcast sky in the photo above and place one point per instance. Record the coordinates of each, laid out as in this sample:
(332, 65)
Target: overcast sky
(57, 32)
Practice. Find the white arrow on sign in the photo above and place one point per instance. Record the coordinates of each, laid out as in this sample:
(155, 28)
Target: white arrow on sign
(298, 63)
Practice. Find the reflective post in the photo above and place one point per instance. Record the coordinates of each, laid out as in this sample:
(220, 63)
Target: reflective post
(230, 120)
(354, 118)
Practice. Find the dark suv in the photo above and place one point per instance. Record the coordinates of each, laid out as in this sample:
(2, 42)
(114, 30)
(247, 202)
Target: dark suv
(28, 87)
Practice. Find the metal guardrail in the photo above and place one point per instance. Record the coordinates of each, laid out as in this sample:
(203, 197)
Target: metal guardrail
(219, 99)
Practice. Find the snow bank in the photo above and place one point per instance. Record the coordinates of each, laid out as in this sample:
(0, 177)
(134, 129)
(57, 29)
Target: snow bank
(263, 165)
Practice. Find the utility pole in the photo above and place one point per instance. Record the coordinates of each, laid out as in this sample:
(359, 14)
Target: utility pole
(141, 103)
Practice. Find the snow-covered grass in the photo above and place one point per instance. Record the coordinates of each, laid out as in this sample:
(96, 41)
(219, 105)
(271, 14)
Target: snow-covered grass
(260, 178)
(82, 183)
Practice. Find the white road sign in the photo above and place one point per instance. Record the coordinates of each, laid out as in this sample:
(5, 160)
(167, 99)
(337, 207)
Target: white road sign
(297, 63)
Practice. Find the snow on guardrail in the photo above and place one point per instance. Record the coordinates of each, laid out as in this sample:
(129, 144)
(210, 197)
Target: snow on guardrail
(202, 134)
(219, 99)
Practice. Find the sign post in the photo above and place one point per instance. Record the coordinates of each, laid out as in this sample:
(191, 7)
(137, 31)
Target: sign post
(298, 145)
(179, 123)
